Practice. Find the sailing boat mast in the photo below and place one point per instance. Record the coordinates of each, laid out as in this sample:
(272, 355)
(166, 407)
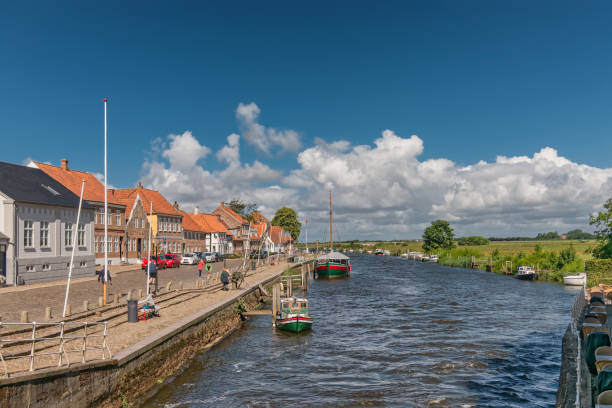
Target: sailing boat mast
(331, 237)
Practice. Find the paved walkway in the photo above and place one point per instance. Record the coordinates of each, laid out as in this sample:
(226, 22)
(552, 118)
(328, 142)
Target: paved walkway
(35, 298)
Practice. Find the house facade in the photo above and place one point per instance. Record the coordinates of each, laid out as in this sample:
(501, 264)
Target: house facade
(136, 227)
(165, 220)
(237, 226)
(93, 194)
(218, 238)
(38, 218)
(280, 240)
(194, 235)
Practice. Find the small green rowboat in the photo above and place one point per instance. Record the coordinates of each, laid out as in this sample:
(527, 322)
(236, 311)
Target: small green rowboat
(294, 316)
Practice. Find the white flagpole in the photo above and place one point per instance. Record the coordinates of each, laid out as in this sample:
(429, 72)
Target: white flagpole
(105, 212)
(149, 254)
(74, 244)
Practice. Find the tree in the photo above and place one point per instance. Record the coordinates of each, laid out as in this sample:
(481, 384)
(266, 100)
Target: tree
(548, 236)
(579, 234)
(473, 240)
(286, 218)
(242, 208)
(439, 235)
(603, 223)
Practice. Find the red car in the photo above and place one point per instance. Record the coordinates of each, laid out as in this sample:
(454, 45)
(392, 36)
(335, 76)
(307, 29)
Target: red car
(172, 260)
(160, 261)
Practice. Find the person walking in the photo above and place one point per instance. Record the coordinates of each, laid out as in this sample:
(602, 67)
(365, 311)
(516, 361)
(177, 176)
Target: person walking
(152, 266)
(208, 268)
(102, 277)
(225, 278)
(200, 267)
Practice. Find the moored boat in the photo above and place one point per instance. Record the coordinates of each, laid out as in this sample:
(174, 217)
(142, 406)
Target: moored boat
(379, 252)
(294, 315)
(333, 265)
(575, 280)
(525, 273)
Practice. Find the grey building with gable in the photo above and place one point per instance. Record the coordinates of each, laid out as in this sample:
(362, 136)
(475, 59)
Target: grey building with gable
(38, 220)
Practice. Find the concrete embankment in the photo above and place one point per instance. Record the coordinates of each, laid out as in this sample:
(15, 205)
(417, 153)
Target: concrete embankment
(134, 372)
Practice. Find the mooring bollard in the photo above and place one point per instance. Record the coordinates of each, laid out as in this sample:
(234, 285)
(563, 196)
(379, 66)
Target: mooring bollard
(85, 305)
(132, 311)
(116, 298)
(169, 286)
(139, 293)
(129, 294)
(24, 317)
(68, 310)
(100, 301)
(48, 313)
(181, 285)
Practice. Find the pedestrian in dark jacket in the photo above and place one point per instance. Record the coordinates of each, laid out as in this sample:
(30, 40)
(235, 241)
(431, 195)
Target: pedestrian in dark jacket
(102, 277)
(225, 278)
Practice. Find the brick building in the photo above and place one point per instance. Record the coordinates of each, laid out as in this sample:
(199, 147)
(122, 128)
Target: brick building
(194, 234)
(136, 226)
(218, 238)
(237, 226)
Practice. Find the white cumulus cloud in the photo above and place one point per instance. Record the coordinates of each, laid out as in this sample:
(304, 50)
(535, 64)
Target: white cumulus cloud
(262, 137)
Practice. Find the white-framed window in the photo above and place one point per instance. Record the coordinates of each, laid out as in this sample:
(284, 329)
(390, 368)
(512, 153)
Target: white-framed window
(116, 240)
(29, 268)
(46, 267)
(81, 235)
(118, 217)
(96, 247)
(100, 218)
(44, 234)
(136, 222)
(68, 234)
(109, 244)
(28, 232)
(109, 215)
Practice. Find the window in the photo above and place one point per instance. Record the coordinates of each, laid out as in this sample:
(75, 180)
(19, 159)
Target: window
(101, 216)
(44, 234)
(96, 247)
(67, 234)
(46, 267)
(81, 235)
(110, 218)
(83, 264)
(28, 231)
(118, 217)
(116, 244)
(135, 222)
(29, 268)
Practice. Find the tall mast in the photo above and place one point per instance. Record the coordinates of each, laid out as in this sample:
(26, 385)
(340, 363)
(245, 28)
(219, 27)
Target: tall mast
(105, 212)
(331, 237)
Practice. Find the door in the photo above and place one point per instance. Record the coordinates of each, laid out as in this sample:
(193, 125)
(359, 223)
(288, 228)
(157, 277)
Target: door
(138, 248)
(3, 264)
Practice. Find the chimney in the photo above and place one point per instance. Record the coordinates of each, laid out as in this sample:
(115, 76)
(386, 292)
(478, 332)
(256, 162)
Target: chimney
(176, 207)
(65, 164)
(139, 184)
(222, 203)
(196, 210)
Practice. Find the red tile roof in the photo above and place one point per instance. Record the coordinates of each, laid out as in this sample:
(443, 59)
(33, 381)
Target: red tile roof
(209, 223)
(71, 179)
(261, 229)
(160, 204)
(233, 214)
(190, 224)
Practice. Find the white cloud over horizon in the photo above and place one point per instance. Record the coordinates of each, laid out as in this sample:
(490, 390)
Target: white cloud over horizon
(262, 137)
(383, 191)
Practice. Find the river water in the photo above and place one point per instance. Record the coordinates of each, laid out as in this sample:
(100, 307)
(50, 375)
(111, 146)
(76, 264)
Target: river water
(397, 333)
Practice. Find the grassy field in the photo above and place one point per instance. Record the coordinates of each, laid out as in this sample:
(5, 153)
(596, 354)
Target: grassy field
(503, 247)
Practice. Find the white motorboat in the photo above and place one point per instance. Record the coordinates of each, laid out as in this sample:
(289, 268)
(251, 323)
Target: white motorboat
(526, 273)
(575, 280)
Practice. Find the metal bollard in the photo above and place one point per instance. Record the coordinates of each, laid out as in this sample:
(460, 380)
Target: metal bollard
(48, 313)
(85, 305)
(100, 301)
(68, 310)
(129, 294)
(132, 311)
(24, 317)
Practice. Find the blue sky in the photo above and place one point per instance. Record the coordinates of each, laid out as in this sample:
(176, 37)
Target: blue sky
(473, 79)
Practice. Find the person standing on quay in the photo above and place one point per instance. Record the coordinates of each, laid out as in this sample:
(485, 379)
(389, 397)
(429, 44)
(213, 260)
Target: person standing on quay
(225, 278)
(200, 267)
(208, 268)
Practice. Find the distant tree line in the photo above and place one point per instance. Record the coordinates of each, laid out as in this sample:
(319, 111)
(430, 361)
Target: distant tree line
(548, 236)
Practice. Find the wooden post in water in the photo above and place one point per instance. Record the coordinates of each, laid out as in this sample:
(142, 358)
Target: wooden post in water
(304, 284)
(289, 286)
(275, 290)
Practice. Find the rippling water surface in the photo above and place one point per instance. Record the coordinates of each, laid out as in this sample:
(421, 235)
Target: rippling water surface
(397, 333)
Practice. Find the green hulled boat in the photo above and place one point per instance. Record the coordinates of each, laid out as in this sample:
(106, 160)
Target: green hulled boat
(333, 265)
(294, 315)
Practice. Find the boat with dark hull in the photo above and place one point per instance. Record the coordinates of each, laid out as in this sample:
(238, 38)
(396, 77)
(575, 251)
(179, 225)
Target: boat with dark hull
(526, 273)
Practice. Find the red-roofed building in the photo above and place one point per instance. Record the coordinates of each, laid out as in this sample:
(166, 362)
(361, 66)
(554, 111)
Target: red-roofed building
(93, 194)
(136, 226)
(166, 220)
(218, 238)
(280, 240)
(194, 235)
(238, 227)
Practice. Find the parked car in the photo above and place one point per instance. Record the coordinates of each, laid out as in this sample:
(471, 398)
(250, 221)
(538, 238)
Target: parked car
(255, 254)
(159, 261)
(208, 257)
(172, 261)
(189, 259)
(219, 256)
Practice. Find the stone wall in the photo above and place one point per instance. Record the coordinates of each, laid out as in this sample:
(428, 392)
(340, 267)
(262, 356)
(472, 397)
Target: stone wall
(135, 373)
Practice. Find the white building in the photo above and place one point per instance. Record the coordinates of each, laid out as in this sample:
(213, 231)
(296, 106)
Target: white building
(38, 217)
